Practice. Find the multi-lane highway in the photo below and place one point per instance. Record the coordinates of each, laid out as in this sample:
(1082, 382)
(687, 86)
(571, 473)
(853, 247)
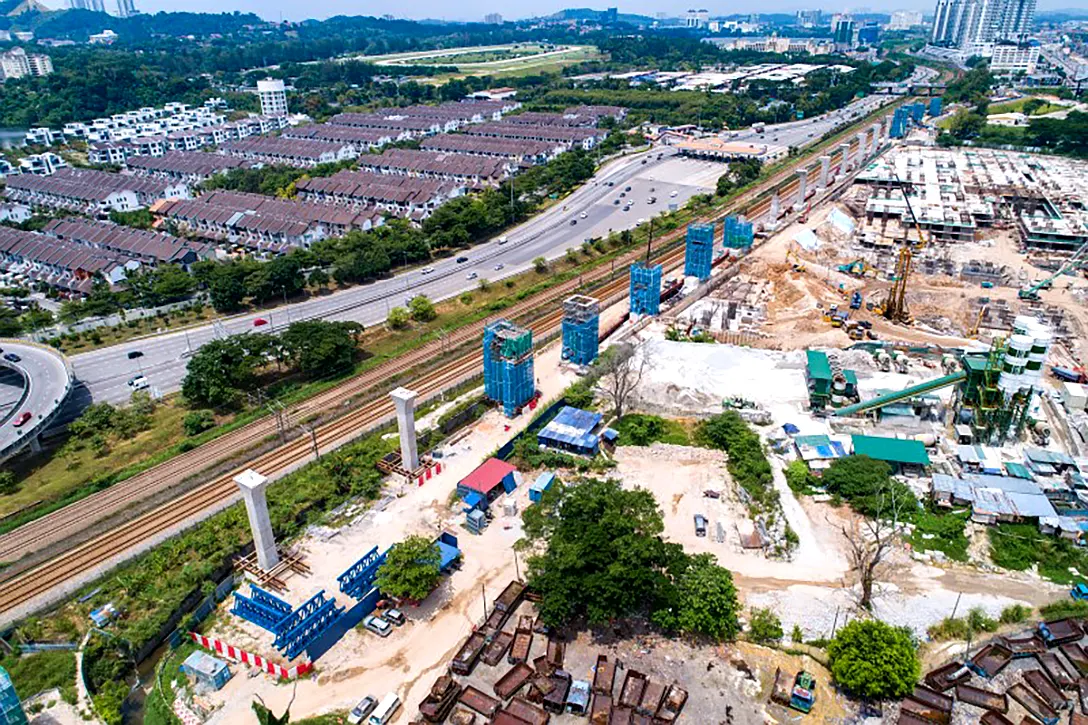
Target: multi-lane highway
(593, 210)
(46, 382)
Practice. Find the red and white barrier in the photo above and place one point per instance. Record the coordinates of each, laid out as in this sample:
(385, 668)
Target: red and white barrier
(430, 473)
(240, 655)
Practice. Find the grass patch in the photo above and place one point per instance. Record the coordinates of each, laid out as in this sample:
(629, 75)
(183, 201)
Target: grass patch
(1017, 106)
(42, 671)
(636, 429)
(73, 343)
(158, 708)
(1063, 608)
(944, 532)
(52, 477)
(1021, 546)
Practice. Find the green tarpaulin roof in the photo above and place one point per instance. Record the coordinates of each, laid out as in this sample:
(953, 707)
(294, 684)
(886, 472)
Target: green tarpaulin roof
(818, 367)
(892, 450)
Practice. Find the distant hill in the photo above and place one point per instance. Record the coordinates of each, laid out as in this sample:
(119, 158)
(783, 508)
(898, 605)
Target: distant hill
(589, 14)
(1061, 16)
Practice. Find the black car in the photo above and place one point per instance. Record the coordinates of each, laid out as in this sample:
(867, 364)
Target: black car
(12, 357)
(462, 260)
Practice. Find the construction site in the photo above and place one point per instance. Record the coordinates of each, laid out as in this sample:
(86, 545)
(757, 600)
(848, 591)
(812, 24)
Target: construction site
(920, 307)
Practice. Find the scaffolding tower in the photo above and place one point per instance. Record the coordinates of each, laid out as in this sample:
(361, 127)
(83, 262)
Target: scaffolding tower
(935, 106)
(737, 233)
(899, 123)
(581, 329)
(699, 251)
(645, 289)
(508, 365)
(11, 708)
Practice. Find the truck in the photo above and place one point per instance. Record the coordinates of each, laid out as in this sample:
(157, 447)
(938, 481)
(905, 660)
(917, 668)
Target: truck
(759, 127)
(523, 641)
(855, 300)
(510, 597)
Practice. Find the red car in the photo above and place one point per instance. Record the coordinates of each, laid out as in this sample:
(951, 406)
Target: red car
(260, 321)
(21, 419)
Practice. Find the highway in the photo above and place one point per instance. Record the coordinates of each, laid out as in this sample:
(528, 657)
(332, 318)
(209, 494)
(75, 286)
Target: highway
(593, 210)
(46, 383)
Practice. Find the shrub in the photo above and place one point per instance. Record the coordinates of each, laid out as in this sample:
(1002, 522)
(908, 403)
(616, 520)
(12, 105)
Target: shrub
(421, 309)
(797, 635)
(1014, 614)
(764, 626)
(874, 660)
(540, 265)
(197, 422)
(397, 319)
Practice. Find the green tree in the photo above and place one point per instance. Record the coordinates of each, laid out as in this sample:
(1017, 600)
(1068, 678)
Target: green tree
(8, 484)
(598, 553)
(764, 626)
(398, 319)
(421, 309)
(318, 278)
(798, 477)
(705, 601)
(966, 124)
(540, 265)
(318, 347)
(874, 660)
(227, 291)
(867, 484)
(10, 325)
(221, 369)
(411, 569)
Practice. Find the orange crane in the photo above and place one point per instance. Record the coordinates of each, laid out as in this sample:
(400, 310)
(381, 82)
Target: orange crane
(895, 307)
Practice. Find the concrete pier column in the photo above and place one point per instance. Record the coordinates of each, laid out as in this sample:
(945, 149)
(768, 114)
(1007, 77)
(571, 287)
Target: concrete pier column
(825, 170)
(861, 149)
(775, 208)
(802, 185)
(252, 486)
(844, 164)
(874, 132)
(405, 402)
(36, 444)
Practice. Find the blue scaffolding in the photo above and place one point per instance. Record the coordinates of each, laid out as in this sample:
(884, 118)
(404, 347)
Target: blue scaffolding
(738, 233)
(581, 329)
(11, 707)
(935, 106)
(360, 576)
(645, 291)
(899, 123)
(508, 366)
(699, 251)
(918, 111)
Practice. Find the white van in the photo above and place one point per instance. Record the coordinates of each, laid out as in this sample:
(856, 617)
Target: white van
(389, 705)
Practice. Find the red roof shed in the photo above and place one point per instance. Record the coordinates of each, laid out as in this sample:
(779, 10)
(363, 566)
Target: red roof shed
(487, 477)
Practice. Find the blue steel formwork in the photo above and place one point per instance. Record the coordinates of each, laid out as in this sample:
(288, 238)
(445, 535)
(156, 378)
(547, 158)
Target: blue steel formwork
(269, 600)
(508, 365)
(645, 291)
(295, 641)
(581, 329)
(257, 613)
(699, 251)
(737, 233)
(360, 576)
(298, 616)
(935, 106)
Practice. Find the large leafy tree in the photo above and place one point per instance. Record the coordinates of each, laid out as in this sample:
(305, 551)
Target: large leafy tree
(318, 348)
(599, 553)
(867, 484)
(221, 369)
(874, 660)
(705, 601)
(411, 569)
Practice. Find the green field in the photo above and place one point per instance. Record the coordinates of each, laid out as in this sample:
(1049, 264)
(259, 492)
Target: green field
(493, 60)
(1017, 106)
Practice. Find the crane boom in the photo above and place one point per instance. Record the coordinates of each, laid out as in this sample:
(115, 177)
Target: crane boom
(1077, 260)
(895, 309)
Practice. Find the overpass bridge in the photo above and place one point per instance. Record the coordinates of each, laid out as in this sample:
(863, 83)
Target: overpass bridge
(47, 380)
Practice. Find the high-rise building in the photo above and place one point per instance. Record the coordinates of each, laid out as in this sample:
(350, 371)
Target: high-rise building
(809, 18)
(273, 97)
(905, 20)
(975, 26)
(697, 18)
(843, 31)
(98, 6)
(40, 65)
(11, 708)
(610, 16)
(869, 33)
(126, 8)
(493, 19)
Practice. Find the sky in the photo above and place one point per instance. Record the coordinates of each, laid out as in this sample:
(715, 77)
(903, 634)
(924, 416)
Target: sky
(476, 9)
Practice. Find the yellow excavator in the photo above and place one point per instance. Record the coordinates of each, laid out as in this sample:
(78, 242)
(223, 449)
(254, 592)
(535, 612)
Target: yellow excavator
(796, 265)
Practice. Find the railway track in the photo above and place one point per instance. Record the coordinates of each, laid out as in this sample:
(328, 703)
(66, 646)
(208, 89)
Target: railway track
(21, 587)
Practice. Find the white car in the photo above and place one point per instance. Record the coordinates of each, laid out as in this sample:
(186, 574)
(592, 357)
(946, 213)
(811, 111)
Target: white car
(582, 215)
(674, 192)
(426, 270)
(503, 240)
(139, 383)
(359, 712)
(640, 222)
(378, 626)
(499, 266)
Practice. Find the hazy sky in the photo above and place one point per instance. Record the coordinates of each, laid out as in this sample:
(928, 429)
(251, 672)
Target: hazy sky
(476, 9)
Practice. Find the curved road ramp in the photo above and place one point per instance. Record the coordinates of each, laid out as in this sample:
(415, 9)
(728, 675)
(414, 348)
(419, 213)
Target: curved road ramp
(47, 380)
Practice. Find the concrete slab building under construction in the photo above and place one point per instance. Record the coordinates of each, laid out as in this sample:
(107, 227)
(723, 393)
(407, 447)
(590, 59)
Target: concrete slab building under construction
(954, 192)
(581, 329)
(508, 365)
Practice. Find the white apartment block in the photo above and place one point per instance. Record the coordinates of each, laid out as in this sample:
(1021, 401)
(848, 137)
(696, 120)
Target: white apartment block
(976, 27)
(273, 95)
(17, 63)
(1014, 59)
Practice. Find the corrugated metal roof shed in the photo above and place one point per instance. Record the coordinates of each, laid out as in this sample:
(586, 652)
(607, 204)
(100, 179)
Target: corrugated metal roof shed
(892, 450)
(1054, 458)
(572, 427)
(1018, 470)
(488, 475)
